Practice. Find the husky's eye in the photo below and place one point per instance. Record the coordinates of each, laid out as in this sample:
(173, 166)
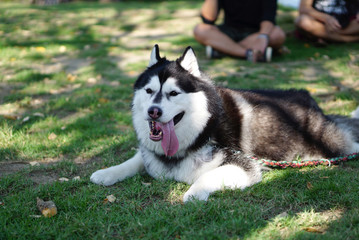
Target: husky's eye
(173, 93)
(149, 91)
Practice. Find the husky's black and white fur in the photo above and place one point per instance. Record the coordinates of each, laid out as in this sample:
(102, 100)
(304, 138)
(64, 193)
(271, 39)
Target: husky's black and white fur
(195, 132)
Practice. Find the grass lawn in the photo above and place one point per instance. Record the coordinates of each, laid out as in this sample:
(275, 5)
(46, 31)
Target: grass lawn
(66, 80)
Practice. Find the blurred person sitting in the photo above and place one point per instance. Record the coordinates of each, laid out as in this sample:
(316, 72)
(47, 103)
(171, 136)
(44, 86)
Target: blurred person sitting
(329, 20)
(248, 31)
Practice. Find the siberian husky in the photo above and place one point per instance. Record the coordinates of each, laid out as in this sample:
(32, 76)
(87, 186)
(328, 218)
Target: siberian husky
(192, 131)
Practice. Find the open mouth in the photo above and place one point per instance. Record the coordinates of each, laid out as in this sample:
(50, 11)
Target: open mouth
(165, 132)
(156, 128)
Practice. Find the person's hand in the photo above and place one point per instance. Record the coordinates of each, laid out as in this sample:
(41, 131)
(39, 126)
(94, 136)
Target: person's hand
(259, 46)
(332, 24)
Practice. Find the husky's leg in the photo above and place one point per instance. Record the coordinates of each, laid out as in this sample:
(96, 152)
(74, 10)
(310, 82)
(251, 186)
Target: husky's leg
(118, 173)
(227, 176)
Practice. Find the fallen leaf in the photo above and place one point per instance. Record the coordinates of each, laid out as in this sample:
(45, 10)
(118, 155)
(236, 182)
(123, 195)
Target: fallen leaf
(34, 163)
(103, 100)
(27, 118)
(97, 90)
(325, 177)
(71, 78)
(317, 54)
(77, 178)
(10, 117)
(306, 45)
(309, 185)
(314, 229)
(63, 179)
(52, 136)
(92, 80)
(48, 208)
(12, 59)
(111, 198)
(132, 73)
(311, 90)
(146, 184)
(40, 49)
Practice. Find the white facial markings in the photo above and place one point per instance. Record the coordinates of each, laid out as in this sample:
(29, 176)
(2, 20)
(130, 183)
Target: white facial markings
(169, 86)
(194, 106)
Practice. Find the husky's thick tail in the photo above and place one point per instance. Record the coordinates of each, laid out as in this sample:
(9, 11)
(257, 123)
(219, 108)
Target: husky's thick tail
(348, 124)
(355, 113)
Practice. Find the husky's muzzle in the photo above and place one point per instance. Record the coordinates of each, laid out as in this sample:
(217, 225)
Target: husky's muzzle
(164, 131)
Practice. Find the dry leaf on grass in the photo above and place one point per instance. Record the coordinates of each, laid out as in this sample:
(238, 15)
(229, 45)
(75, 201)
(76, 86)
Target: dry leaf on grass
(71, 78)
(38, 114)
(63, 179)
(109, 199)
(103, 100)
(52, 136)
(309, 185)
(77, 178)
(27, 118)
(40, 49)
(47, 208)
(10, 117)
(314, 229)
(34, 164)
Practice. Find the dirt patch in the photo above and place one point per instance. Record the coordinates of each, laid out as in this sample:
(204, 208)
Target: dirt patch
(43, 177)
(37, 176)
(12, 167)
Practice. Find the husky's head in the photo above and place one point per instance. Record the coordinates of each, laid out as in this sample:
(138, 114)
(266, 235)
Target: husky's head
(170, 106)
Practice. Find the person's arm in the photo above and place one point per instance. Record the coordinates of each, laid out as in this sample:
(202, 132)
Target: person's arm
(330, 22)
(269, 10)
(209, 10)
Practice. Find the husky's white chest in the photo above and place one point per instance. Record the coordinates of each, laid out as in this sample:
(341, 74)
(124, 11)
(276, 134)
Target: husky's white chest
(187, 169)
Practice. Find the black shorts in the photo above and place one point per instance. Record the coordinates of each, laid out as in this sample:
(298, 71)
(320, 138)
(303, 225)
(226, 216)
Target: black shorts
(235, 34)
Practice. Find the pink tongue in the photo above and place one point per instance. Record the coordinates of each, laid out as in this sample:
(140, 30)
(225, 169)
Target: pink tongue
(169, 141)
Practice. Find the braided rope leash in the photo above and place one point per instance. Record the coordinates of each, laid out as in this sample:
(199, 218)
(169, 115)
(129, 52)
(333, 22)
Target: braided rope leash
(304, 163)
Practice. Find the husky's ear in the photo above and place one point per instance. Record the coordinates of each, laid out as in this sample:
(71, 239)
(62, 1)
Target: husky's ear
(155, 56)
(189, 62)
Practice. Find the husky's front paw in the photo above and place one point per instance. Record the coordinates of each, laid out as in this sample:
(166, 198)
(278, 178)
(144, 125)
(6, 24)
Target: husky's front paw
(195, 194)
(104, 177)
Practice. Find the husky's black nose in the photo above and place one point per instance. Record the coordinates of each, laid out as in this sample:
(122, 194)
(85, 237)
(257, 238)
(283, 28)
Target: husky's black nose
(154, 112)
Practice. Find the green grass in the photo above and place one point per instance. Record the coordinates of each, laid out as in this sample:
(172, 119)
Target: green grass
(66, 80)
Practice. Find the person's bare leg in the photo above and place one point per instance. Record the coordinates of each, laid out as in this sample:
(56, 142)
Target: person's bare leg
(276, 39)
(210, 35)
(351, 29)
(317, 29)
